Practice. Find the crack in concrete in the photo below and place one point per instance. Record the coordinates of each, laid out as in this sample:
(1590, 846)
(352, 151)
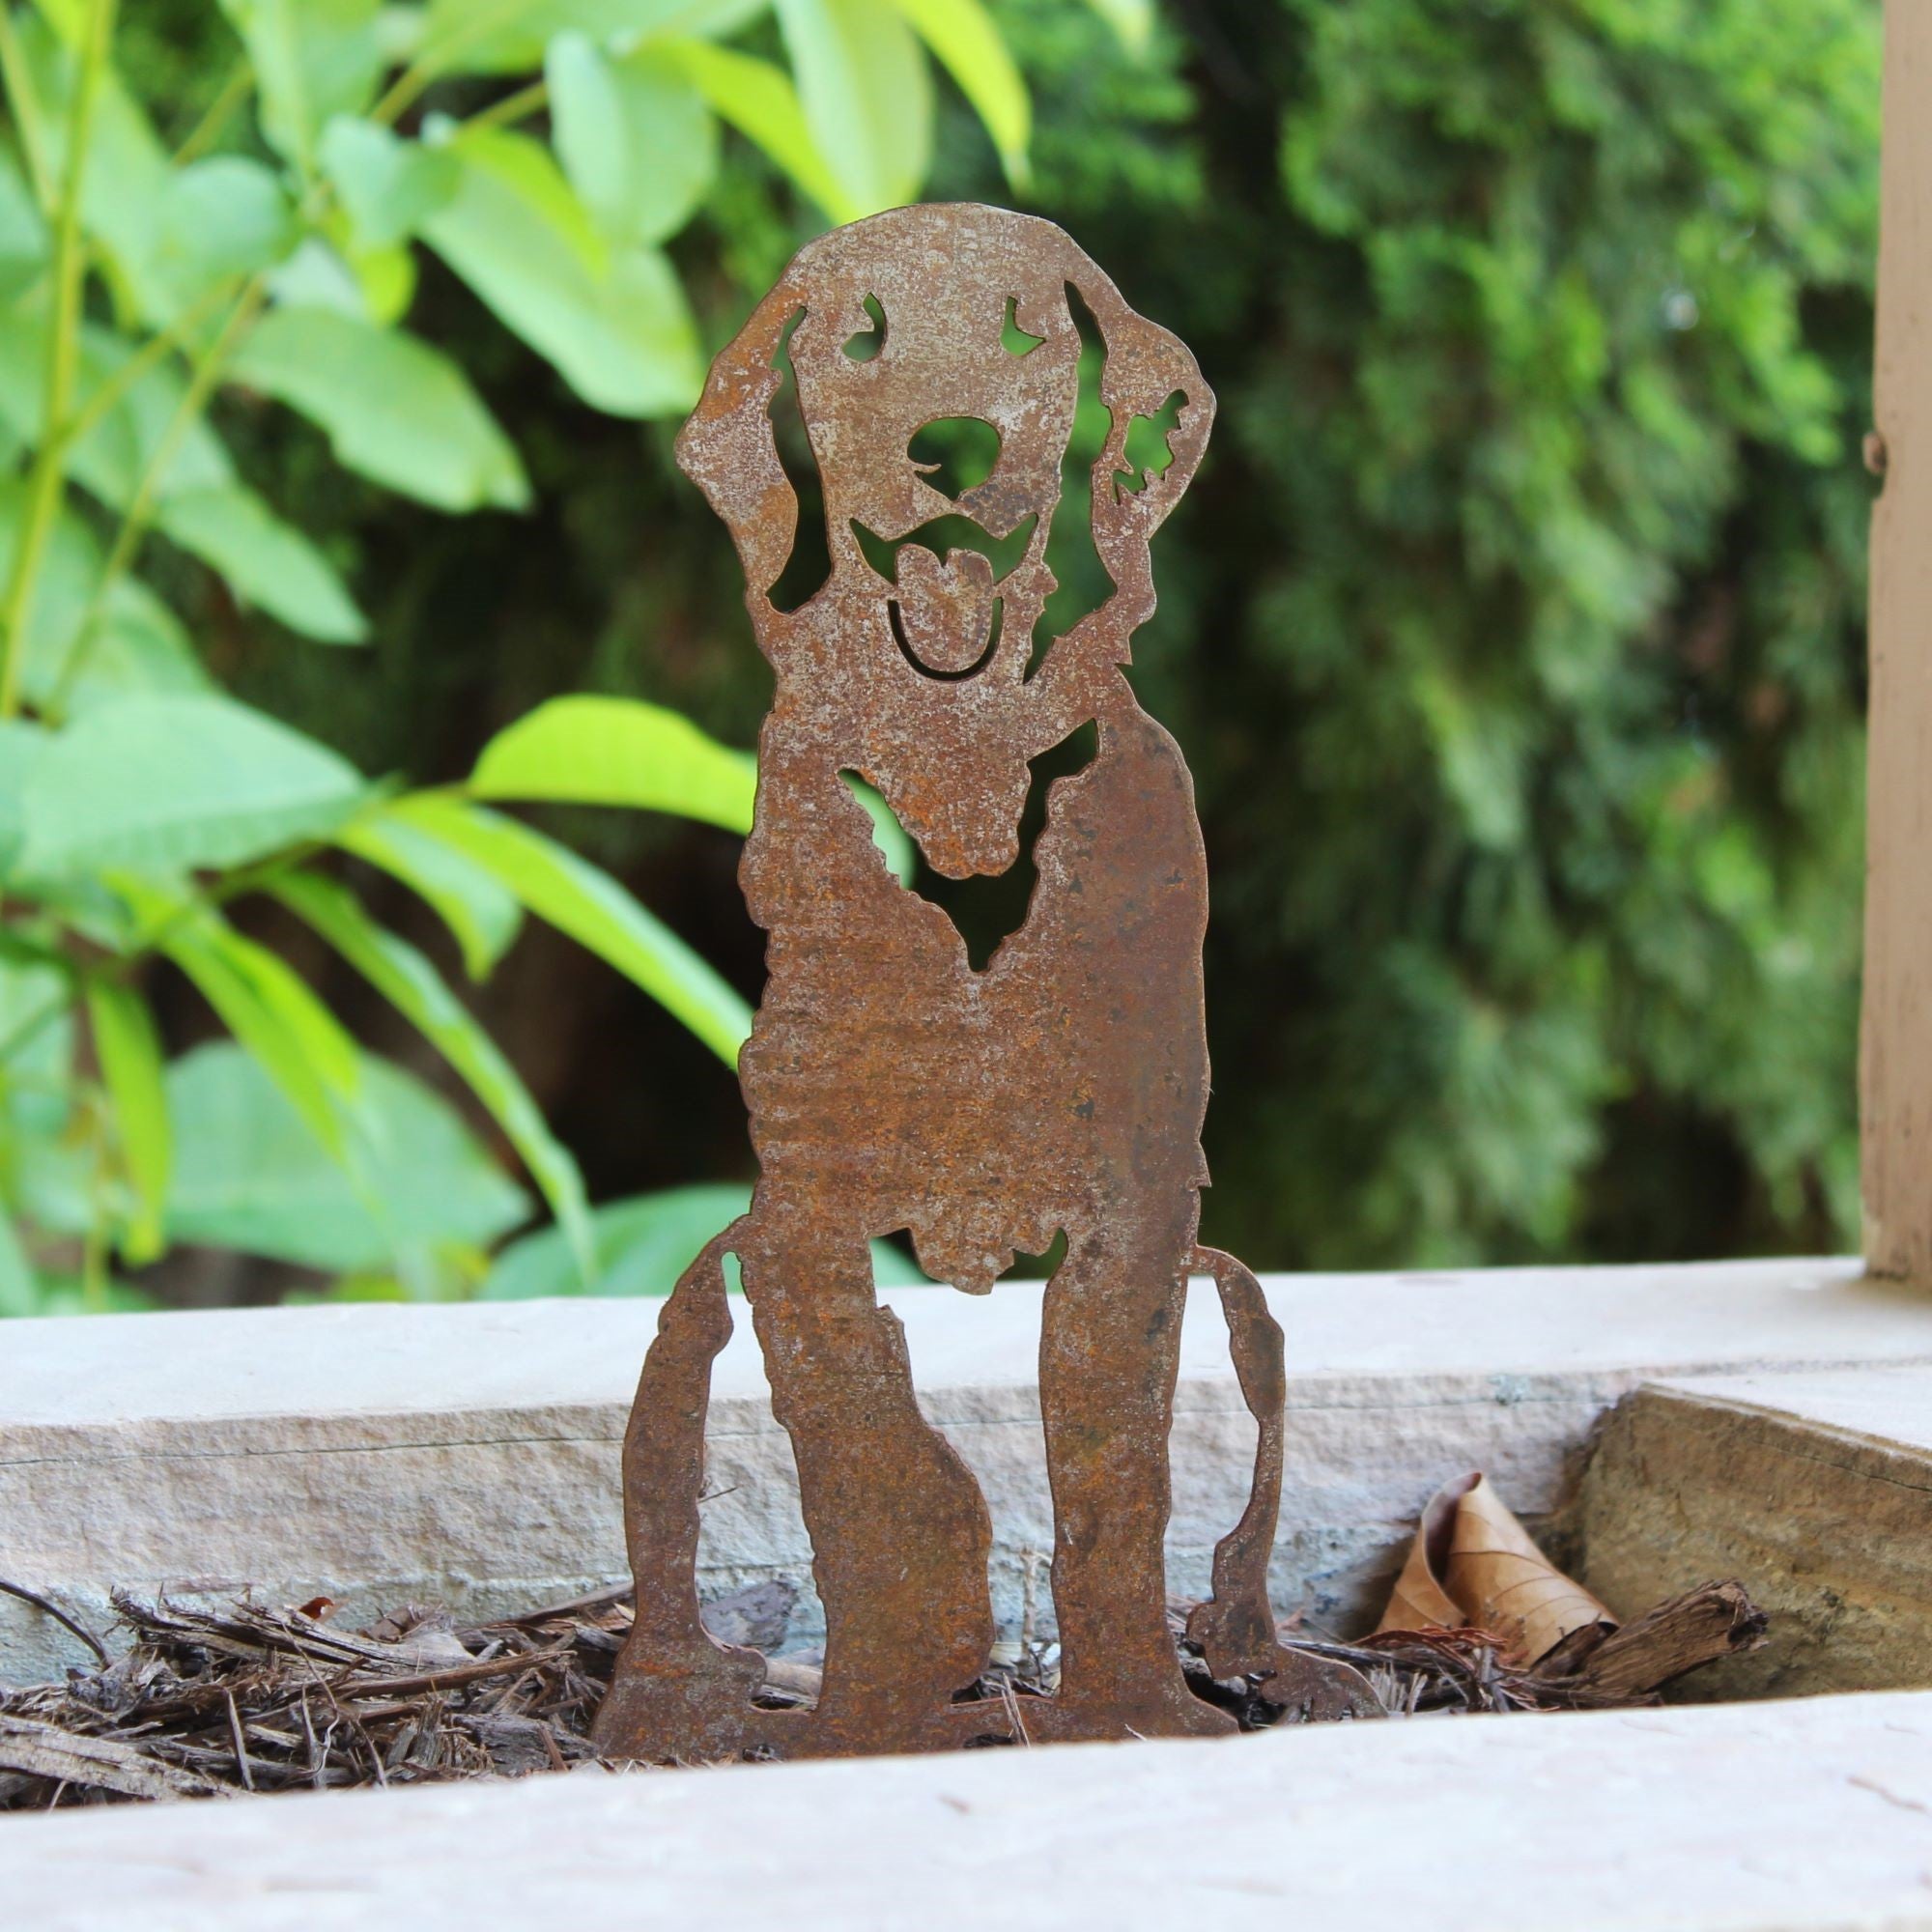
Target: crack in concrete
(1890, 1797)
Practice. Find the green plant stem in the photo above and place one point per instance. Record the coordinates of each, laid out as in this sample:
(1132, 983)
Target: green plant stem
(46, 481)
(152, 352)
(140, 509)
(93, 1244)
(512, 108)
(207, 130)
(435, 60)
(26, 110)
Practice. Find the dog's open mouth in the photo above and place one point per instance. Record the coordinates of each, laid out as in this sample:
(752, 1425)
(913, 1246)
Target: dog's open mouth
(947, 610)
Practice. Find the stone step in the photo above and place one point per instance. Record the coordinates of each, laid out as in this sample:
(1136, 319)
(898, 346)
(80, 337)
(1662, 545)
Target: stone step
(1806, 1816)
(1813, 1489)
(387, 1454)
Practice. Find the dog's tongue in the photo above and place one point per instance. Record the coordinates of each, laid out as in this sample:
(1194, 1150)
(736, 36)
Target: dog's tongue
(946, 609)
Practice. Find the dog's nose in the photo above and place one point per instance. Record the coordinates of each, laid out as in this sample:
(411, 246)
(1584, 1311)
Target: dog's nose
(955, 454)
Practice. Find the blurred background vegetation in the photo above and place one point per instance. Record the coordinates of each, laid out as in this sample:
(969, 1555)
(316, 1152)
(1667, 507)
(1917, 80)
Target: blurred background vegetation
(1514, 628)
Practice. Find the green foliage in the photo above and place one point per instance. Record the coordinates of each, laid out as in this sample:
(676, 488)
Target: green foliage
(1515, 625)
(160, 289)
(394, 409)
(611, 751)
(249, 1174)
(577, 897)
(168, 785)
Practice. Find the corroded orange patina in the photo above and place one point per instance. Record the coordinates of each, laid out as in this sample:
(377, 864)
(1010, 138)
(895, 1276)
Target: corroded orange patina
(1060, 1090)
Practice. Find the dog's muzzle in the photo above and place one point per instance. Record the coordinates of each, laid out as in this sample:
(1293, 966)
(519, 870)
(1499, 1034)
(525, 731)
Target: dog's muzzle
(945, 609)
(947, 613)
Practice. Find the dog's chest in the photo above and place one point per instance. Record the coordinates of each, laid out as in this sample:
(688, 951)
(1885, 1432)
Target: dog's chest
(881, 1054)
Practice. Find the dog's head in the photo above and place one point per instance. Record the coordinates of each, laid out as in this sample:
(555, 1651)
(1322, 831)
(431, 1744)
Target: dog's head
(912, 655)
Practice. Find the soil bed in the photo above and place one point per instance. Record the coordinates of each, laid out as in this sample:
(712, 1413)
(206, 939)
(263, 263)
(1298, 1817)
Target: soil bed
(217, 1695)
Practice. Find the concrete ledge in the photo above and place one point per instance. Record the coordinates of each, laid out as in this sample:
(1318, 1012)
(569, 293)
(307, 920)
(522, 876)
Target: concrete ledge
(1813, 1816)
(1816, 1487)
(381, 1454)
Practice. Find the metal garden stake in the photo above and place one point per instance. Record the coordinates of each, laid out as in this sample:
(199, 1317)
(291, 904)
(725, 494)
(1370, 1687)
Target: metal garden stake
(892, 1085)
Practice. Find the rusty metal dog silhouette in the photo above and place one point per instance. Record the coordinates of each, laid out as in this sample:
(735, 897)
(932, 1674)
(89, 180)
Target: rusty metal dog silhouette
(892, 1086)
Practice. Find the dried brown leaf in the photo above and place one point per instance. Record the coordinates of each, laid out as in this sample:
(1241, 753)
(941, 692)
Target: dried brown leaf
(1472, 1563)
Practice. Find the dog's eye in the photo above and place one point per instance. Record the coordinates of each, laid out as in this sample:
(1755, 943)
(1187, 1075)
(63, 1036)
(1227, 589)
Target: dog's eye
(1015, 340)
(863, 345)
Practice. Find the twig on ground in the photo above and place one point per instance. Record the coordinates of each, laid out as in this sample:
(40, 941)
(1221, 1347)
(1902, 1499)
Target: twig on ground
(59, 1615)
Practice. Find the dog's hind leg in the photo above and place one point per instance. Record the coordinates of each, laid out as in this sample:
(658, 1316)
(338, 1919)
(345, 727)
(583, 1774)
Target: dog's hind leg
(1235, 1628)
(676, 1692)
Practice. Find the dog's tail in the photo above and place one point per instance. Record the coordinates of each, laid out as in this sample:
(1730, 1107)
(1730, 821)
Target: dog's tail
(1235, 1628)
(671, 1667)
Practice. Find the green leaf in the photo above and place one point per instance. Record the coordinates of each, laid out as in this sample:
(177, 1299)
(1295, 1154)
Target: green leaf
(25, 242)
(483, 915)
(758, 100)
(168, 785)
(510, 36)
(643, 1244)
(217, 218)
(867, 96)
(313, 59)
(19, 1291)
(70, 1295)
(318, 277)
(249, 1174)
(263, 562)
(139, 648)
(265, 1016)
(394, 409)
(113, 457)
(21, 744)
(126, 172)
(385, 279)
(634, 137)
(139, 644)
(38, 1033)
(618, 750)
(963, 38)
(589, 905)
(411, 984)
(614, 321)
(130, 1051)
(388, 185)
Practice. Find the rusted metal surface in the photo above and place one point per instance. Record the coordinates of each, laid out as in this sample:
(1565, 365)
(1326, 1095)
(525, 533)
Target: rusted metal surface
(891, 1086)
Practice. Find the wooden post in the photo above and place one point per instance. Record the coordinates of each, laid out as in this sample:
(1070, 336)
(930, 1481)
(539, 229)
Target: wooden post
(1895, 1049)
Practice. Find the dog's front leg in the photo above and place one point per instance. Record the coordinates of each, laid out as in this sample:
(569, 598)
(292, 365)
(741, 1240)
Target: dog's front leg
(1110, 1352)
(899, 1531)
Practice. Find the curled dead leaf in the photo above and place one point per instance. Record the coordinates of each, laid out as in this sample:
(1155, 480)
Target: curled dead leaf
(1473, 1563)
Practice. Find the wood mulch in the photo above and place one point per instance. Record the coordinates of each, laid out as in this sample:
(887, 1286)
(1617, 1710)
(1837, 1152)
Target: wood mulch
(217, 1695)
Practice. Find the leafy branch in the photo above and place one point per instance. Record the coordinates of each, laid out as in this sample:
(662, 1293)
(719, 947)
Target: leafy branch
(274, 250)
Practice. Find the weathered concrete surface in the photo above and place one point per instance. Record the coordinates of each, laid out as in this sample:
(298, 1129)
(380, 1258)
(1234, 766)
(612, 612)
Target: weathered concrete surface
(1814, 1490)
(1812, 1816)
(381, 1454)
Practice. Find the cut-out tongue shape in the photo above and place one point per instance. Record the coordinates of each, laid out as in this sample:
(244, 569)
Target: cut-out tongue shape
(945, 610)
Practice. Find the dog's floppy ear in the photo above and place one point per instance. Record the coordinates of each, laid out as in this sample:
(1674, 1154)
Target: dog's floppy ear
(729, 451)
(1146, 365)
